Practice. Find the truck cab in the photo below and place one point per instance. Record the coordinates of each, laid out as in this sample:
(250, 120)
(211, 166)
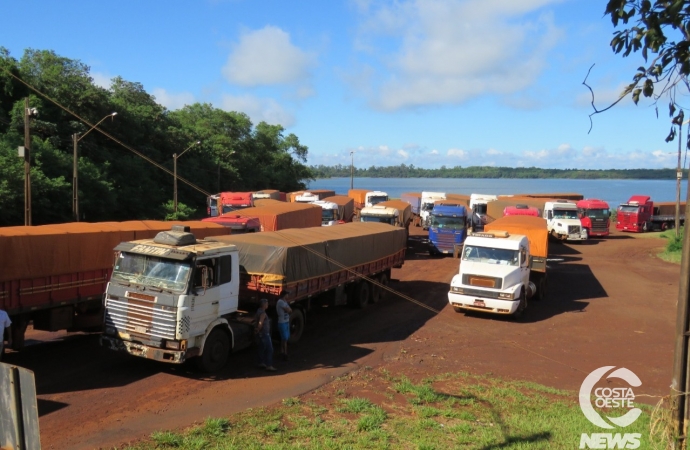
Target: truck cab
(212, 205)
(427, 204)
(306, 197)
(447, 227)
(381, 214)
(494, 274)
(521, 210)
(635, 214)
(373, 198)
(594, 216)
(478, 206)
(562, 221)
(234, 201)
(175, 297)
(330, 214)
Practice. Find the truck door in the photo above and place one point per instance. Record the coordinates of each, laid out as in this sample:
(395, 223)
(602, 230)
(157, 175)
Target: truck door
(228, 286)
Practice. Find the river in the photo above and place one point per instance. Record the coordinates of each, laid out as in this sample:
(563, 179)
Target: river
(614, 192)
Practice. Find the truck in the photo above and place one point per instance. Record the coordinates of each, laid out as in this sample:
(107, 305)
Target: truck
(212, 205)
(176, 297)
(366, 198)
(237, 223)
(330, 213)
(478, 207)
(404, 212)
(267, 193)
(234, 201)
(447, 227)
(502, 267)
(393, 212)
(428, 199)
(275, 215)
(55, 275)
(595, 216)
(640, 214)
(346, 207)
(415, 201)
(521, 210)
(313, 195)
(563, 222)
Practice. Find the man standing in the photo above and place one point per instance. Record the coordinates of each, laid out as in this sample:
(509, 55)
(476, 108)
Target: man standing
(5, 325)
(263, 336)
(284, 311)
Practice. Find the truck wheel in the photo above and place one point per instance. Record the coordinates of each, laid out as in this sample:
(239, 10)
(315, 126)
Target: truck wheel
(362, 294)
(296, 325)
(216, 350)
(541, 289)
(645, 227)
(384, 289)
(522, 306)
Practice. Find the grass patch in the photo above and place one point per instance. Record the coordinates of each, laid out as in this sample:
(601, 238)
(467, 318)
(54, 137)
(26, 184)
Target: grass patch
(674, 246)
(448, 411)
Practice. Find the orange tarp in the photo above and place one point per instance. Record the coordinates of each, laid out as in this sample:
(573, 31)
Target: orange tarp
(532, 227)
(281, 215)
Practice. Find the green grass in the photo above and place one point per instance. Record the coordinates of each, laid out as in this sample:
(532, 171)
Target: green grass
(448, 411)
(674, 246)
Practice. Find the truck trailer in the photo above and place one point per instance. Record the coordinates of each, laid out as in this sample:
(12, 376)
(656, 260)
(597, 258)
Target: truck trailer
(275, 215)
(237, 223)
(55, 275)
(346, 207)
(176, 297)
(641, 214)
(415, 201)
(502, 267)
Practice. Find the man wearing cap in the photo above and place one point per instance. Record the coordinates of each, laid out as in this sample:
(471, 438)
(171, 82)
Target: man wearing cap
(263, 336)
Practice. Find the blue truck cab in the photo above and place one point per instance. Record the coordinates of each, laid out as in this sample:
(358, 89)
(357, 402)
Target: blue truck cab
(447, 227)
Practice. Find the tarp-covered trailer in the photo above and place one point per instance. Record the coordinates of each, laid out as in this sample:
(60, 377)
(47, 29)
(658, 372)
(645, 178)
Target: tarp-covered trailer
(237, 223)
(266, 201)
(291, 196)
(404, 211)
(55, 275)
(415, 201)
(359, 196)
(537, 233)
(322, 193)
(346, 206)
(307, 262)
(276, 216)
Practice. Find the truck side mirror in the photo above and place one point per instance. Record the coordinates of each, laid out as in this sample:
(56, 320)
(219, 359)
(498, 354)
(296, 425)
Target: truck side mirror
(549, 215)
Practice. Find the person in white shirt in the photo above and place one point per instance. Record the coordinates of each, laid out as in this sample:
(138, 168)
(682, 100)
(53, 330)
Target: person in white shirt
(5, 324)
(283, 311)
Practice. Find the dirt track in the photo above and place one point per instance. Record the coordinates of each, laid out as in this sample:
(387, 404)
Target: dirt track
(611, 302)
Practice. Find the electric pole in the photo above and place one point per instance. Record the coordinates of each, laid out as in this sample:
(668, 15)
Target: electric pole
(27, 162)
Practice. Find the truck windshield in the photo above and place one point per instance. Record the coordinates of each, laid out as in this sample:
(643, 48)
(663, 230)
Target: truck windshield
(328, 215)
(376, 199)
(388, 220)
(231, 208)
(427, 206)
(152, 271)
(596, 213)
(451, 223)
(564, 214)
(628, 209)
(490, 255)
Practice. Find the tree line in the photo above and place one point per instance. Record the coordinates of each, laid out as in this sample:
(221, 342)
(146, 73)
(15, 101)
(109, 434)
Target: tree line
(410, 171)
(115, 183)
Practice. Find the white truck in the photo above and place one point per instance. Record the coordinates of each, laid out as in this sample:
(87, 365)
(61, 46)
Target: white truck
(307, 197)
(501, 270)
(563, 222)
(478, 206)
(381, 214)
(428, 199)
(330, 213)
(374, 198)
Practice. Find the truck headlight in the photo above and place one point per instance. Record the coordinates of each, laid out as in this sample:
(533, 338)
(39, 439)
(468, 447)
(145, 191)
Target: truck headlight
(456, 289)
(175, 345)
(505, 295)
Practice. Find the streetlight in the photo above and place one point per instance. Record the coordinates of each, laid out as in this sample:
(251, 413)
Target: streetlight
(75, 174)
(175, 156)
(352, 169)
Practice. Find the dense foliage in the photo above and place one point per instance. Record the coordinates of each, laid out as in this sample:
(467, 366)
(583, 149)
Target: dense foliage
(405, 171)
(114, 182)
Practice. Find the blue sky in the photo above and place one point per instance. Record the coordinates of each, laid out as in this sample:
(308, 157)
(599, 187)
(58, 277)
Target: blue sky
(429, 83)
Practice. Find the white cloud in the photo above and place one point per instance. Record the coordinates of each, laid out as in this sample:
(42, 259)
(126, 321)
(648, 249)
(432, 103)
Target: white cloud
(173, 101)
(457, 153)
(267, 57)
(403, 154)
(434, 152)
(493, 151)
(452, 51)
(101, 79)
(258, 109)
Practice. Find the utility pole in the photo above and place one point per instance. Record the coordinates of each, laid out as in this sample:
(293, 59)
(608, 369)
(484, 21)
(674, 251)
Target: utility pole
(27, 163)
(75, 179)
(352, 169)
(679, 177)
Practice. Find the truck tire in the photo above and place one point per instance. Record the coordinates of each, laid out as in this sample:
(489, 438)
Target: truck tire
(522, 306)
(383, 291)
(297, 323)
(645, 227)
(541, 289)
(216, 351)
(362, 294)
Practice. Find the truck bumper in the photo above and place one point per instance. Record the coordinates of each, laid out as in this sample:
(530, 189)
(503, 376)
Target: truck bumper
(145, 351)
(491, 305)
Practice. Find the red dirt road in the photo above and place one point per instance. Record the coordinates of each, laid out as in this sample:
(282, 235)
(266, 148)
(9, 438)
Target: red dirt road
(610, 302)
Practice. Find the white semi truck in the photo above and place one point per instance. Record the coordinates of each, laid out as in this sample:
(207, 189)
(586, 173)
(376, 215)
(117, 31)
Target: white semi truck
(563, 221)
(428, 199)
(478, 206)
(502, 267)
(330, 213)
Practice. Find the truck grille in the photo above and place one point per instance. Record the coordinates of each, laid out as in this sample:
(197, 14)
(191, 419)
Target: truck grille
(445, 241)
(478, 293)
(140, 317)
(573, 229)
(482, 281)
(599, 226)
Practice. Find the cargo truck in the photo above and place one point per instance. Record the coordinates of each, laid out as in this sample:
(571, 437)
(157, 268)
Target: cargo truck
(313, 195)
(175, 297)
(212, 205)
(274, 215)
(330, 214)
(640, 214)
(563, 222)
(392, 212)
(447, 227)
(55, 275)
(428, 199)
(267, 193)
(478, 207)
(415, 201)
(502, 267)
(346, 207)
(521, 210)
(594, 216)
(234, 201)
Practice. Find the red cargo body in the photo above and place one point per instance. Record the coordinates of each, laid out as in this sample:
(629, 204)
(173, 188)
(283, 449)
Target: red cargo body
(282, 215)
(56, 275)
(595, 216)
(521, 210)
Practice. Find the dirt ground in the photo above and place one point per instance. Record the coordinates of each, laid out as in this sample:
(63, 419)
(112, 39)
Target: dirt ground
(610, 302)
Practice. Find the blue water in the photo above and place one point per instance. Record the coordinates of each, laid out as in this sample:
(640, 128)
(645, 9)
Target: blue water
(614, 192)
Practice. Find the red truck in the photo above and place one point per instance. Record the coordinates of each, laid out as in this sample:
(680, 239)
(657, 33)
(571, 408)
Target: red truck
(55, 275)
(640, 214)
(595, 216)
(234, 201)
(521, 210)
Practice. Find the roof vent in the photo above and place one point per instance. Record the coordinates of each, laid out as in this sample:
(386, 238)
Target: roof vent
(178, 236)
(521, 206)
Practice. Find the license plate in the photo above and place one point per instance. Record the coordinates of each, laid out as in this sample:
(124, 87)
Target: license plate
(140, 329)
(479, 303)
